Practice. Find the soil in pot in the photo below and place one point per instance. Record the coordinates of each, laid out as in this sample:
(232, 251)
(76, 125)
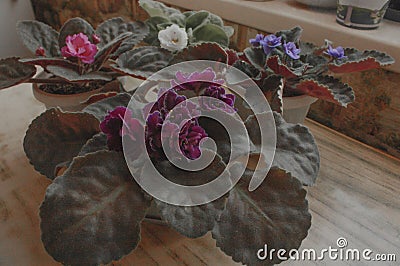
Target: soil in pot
(68, 89)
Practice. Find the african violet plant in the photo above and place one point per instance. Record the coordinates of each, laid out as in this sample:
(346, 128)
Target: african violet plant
(93, 210)
(78, 54)
(174, 30)
(304, 68)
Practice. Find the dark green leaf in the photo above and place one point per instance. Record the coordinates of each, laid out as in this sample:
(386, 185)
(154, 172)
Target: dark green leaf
(275, 214)
(139, 31)
(154, 8)
(13, 72)
(272, 89)
(55, 137)
(229, 31)
(197, 19)
(49, 61)
(91, 215)
(248, 69)
(35, 34)
(211, 33)
(194, 221)
(256, 56)
(292, 35)
(275, 64)
(152, 23)
(103, 55)
(204, 51)
(73, 76)
(100, 109)
(360, 61)
(326, 88)
(75, 26)
(143, 61)
(109, 30)
(97, 143)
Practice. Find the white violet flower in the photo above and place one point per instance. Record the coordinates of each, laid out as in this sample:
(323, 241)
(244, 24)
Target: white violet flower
(173, 38)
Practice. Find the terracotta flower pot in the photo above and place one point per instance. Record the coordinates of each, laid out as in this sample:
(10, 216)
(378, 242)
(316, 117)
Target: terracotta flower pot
(295, 109)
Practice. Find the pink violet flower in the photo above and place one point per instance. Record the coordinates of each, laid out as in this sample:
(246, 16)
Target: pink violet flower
(96, 39)
(78, 45)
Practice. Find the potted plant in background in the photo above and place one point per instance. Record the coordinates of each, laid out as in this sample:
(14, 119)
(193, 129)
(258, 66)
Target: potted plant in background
(393, 11)
(76, 60)
(361, 14)
(303, 70)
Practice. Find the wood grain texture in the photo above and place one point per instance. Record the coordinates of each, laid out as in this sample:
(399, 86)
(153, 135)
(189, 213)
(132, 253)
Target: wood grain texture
(356, 197)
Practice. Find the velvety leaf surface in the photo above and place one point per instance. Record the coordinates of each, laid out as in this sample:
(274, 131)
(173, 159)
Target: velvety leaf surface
(139, 31)
(73, 76)
(143, 61)
(211, 33)
(193, 221)
(232, 56)
(292, 35)
(13, 72)
(50, 61)
(91, 215)
(203, 51)
(276, 214)
(272, 89)
(154, 8)
(197, 19)
(327, 88)
(359, 61)
(55, 137)
(104, 53)
(256, 56)
(296, 151)
(108, 30)
(247, 68)
(35, 34)
(274, 63)
(75, 26)
(100, 109)
(97, 143)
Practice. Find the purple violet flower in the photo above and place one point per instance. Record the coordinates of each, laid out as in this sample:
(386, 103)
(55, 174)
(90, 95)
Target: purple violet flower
(113, 125)
(256, 42)
(337, 53)
(291, 50)
(189, 139)
(167, 100)
(153, 135)
(195, 81)
(219, 93)
(270, 42)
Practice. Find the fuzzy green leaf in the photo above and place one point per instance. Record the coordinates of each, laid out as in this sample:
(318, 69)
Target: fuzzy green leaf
(272, 89)
(143, 61)
(108, 30)
(91, 215)
(211, 33)
(194, 221)
(275, 214)
(97, 143)
(197, 19)
(256, 56)
(13, 72)
(50, 61)
(326, 88)
(55, 137)
(73, 76)
(154, 8)
(100, 109)
(75, 26)
(292, 35)
(35, 34)
(275, 64)
(203, 51)
(360, 61)
(139, 31)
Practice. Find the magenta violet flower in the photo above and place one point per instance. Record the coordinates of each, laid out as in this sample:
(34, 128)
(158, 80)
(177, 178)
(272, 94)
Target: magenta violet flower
(291, 50)
(219, 93)
(115, 126)
(337, 53)
(196, 81)
(78, 45)
(256, 42)
(270, 42)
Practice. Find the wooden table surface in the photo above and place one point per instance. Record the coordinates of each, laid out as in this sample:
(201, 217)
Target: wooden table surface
(357, 196)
